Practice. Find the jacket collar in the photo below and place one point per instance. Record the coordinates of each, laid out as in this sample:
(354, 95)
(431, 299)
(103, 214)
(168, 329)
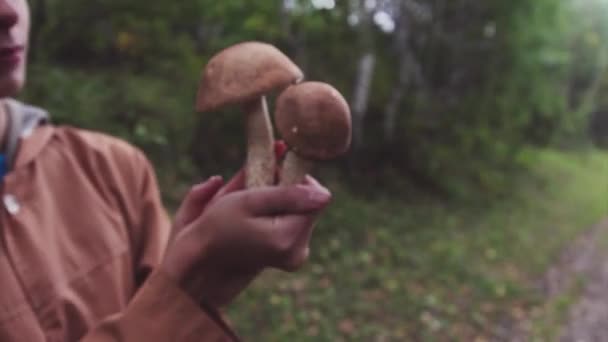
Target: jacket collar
(28, 132)
(31, 146)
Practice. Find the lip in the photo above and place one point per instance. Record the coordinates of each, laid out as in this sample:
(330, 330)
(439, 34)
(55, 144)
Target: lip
(10, 56)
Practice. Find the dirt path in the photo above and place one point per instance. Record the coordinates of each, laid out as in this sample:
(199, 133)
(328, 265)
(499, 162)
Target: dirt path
(588, 319)
(584, 259)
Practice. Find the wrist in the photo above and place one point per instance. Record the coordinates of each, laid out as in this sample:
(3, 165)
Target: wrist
(182, 263)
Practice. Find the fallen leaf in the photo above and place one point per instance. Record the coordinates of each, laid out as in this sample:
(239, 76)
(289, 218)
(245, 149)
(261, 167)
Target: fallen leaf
(346, 326)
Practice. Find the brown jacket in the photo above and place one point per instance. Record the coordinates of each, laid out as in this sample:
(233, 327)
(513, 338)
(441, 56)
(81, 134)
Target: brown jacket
(82, 229)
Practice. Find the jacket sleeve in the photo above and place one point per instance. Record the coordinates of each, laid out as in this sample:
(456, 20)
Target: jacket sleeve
(159, 310)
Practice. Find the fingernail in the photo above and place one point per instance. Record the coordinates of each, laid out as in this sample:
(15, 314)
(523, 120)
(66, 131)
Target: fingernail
(319, 196)
(215, 178)
(206, 182)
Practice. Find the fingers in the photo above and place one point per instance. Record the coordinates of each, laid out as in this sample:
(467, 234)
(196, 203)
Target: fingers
(235, 184)
(298, 199)
(309, 180)
(268, 226)
(300, 249)
(203, 192)
(196, 200)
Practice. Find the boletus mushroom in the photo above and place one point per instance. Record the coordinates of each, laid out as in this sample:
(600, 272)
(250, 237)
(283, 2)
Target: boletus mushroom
(243, 74)
(314, 120)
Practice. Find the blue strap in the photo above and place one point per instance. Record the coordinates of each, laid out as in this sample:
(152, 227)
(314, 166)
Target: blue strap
(3, 166)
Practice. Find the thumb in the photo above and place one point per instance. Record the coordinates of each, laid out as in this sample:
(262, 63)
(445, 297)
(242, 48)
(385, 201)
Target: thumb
(298, 199)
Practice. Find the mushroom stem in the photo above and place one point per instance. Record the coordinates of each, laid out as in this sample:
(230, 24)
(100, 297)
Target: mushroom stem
(295, 169)
(261, 161)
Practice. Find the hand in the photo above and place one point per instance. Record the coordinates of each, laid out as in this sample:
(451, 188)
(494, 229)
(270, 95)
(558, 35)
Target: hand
(202, 194)
(216, 254)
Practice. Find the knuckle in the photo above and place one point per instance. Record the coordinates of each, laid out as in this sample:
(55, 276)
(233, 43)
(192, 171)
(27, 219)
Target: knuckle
(283, 245)
(291, 267)
(287, 242)
(296, 260)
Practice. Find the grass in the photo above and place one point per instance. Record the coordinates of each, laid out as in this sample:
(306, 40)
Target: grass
(386, 270)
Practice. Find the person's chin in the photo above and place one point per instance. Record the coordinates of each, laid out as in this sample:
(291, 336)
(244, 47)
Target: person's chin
(11, 85)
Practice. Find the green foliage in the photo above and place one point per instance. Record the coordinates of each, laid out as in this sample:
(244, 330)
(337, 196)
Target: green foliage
(147, 111)
(490, 85)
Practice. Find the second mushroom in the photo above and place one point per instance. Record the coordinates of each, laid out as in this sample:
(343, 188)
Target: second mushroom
(314, 120)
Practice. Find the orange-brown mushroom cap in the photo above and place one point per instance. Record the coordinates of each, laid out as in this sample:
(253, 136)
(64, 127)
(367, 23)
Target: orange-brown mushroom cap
(314, 120)
(243, 72)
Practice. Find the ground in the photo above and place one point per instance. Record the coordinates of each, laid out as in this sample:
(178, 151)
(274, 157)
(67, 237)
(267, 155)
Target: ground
(575, 291)
(588, 318)
(384, 269)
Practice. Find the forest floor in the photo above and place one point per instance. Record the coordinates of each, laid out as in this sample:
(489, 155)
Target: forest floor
(587, 320)
(575, 291)
(513, 269)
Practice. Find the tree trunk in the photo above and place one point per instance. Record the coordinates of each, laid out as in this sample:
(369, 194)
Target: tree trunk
(365, 74)
(392, 110)
(410, 71)
(405, 60)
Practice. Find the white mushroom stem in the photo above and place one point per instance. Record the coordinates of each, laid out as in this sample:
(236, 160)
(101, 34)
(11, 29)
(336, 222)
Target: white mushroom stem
(295, 169)
(261, 160)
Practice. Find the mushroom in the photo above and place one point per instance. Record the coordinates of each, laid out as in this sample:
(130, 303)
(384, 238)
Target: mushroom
(314, 120)
(243, 74)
